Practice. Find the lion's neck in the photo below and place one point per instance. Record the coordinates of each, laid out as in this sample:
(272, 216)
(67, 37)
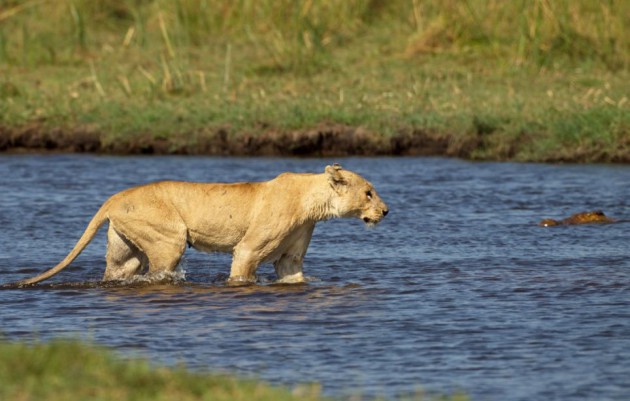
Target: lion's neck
(319, 202)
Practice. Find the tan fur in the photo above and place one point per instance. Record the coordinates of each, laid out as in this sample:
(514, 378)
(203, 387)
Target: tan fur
(272, 221)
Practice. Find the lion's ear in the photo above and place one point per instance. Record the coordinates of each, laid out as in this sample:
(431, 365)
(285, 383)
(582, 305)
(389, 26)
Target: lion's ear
(334, 174)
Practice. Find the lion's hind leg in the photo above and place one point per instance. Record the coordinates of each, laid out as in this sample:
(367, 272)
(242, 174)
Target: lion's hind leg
(124, 259)
(161, 240)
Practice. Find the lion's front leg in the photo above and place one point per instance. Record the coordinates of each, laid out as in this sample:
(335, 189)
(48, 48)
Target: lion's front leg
(289, 269)
(257, 247)
(289, 266)
(244, 265)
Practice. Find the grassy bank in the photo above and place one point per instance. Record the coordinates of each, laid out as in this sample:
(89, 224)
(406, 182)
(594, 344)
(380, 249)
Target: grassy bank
(522, 80)
(73, 371)
(69, 370)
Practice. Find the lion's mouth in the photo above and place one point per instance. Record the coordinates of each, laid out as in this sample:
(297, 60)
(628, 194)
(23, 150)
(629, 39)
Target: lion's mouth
(372, 219)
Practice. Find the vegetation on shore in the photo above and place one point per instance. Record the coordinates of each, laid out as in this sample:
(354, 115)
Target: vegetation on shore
(521, 80)
(70, 370)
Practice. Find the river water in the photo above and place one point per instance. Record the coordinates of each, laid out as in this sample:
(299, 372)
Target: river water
(457, 289)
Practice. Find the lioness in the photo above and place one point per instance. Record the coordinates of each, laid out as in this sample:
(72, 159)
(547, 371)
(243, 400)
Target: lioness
(272, 221)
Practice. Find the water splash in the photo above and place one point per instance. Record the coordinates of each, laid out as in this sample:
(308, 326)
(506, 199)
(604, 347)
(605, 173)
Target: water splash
(174, 277)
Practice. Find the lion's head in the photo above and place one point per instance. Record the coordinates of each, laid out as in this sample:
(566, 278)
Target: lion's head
(356, 197)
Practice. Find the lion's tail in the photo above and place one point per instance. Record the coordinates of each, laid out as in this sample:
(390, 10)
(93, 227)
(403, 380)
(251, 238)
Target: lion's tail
(97, 221)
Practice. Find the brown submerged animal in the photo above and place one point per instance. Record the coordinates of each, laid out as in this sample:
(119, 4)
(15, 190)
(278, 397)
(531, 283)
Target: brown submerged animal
(594, 217)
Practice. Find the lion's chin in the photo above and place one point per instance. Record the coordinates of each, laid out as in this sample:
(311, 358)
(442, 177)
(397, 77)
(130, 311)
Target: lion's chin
(370, 222)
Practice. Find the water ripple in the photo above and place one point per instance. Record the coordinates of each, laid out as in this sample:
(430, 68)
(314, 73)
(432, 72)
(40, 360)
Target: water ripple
(456, 289)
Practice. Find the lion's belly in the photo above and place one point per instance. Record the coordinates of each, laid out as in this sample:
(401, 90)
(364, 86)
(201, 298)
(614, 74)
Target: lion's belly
(214, 240)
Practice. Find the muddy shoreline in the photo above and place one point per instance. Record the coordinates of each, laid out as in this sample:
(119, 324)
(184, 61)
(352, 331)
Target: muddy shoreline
(325, 140)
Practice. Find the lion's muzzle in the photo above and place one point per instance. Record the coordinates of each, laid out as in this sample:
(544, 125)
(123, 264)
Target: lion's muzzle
(378, 216)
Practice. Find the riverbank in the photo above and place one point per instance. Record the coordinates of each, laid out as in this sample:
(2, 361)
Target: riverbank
(324, 140)
(528, 82)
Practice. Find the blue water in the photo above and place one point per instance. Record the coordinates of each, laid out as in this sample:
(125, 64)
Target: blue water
(457, 289)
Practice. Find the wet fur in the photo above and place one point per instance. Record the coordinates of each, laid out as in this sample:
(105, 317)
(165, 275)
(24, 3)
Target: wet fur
(273, 221)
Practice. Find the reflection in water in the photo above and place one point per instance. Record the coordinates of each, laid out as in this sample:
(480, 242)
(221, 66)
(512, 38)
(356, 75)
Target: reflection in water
(457, 289)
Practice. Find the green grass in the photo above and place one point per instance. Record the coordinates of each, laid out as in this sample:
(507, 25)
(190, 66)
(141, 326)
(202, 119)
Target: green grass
(71, 370)
(63, 370)
(519, 80)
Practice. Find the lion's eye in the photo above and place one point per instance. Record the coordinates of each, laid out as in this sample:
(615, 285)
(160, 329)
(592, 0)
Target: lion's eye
(369, 194)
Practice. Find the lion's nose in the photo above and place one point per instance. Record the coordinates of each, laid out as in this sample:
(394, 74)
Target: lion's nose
(385, 212)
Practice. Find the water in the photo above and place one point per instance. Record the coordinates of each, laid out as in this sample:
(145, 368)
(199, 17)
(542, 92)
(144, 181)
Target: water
(457, 289)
